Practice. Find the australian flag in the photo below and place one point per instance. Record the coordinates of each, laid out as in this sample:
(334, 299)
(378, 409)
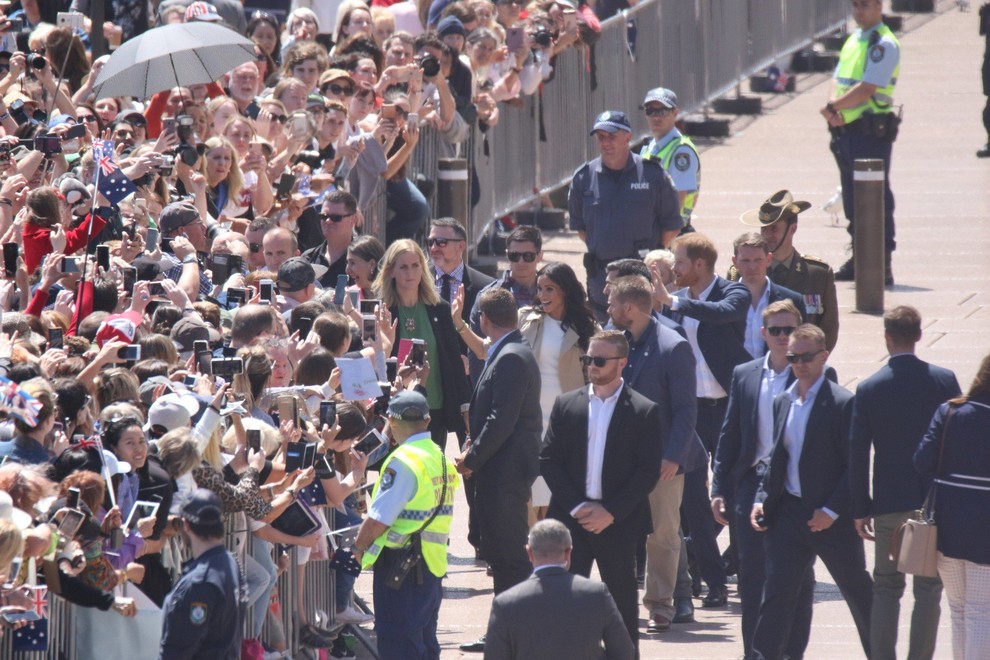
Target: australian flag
(113, 183)
(34, 636)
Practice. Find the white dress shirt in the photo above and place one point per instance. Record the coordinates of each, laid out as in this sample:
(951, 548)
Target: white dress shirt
(771, 384)
(754, 324)
(794, 435)
(599, 416)
(707, 385)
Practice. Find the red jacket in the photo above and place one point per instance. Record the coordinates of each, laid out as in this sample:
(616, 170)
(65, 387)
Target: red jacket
(38, 243)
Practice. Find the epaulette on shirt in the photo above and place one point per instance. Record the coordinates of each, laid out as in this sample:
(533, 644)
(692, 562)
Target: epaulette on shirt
(815, 260)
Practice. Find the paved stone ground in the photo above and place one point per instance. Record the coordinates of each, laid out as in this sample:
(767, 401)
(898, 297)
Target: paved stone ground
(941, 267)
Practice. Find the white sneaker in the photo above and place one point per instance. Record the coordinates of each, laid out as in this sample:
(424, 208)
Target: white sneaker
(354, 616)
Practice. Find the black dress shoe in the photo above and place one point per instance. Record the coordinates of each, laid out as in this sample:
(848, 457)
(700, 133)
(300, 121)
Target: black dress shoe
(984, 152)
(716, 598)
(474, 647)
(683, 611)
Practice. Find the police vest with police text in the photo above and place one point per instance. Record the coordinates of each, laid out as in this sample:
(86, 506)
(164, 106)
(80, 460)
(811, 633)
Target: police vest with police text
(423, 458)
(852, 65)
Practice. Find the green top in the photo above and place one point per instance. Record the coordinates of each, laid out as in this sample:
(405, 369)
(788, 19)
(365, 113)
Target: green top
(414, 323)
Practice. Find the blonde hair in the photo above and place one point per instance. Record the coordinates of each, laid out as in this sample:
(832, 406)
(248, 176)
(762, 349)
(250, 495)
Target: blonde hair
(235, 179)
(385, 282)
(11, 545)
(178, 453)
(270, 441)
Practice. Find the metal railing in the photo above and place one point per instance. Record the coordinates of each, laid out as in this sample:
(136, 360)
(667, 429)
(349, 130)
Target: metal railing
(701, 50)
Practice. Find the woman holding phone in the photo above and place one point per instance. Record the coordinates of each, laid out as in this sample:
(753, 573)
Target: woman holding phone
(405, 286)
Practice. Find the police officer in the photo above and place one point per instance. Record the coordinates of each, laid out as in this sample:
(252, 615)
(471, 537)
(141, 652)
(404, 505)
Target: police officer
(985, 33)
(204, 614)
(413, 495)
(810, 276)
(860, 113)
(620, 204)
(672, 149)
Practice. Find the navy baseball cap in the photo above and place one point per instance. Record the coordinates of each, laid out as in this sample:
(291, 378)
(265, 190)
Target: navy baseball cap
(612, 121)
(203, 508)
(409, 406)
(663, 96)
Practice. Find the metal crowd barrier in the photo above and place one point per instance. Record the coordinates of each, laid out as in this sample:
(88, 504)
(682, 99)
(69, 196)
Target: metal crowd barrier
(700, 49)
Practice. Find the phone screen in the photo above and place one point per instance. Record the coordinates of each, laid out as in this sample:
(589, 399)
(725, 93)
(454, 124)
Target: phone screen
(254, 439)
(103, 257)
(130, 277)
(369, 305)
(10, 251)
(55, 338)
(70, 524)
(417, 354)
(340, 290)
(267, 291)
(368, 326)
(328, 413)
(370, 442)
(294, 455)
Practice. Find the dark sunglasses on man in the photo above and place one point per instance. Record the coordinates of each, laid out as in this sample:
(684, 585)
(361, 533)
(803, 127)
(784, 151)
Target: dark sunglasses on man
(777, 331)
(528, 257)
(441, 242)
(337, 90)
(336, 217)
(805, 358)
(597, 360)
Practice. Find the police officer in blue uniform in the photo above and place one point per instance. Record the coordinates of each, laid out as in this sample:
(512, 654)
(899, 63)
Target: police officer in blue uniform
(620, 204)
(204, 614)
(860, 113)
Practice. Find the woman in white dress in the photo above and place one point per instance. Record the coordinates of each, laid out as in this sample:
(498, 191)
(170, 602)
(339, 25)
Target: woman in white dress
(558, 327)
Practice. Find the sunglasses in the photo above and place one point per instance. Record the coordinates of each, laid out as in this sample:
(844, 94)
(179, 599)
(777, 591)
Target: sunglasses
(785, 330)
(658, 112)
(597, 360)
(441, 242)
(91, 119)
(254, 247)
(336, 217)
(338, 90)
(528, 257)
(280, 118)
(805, 358)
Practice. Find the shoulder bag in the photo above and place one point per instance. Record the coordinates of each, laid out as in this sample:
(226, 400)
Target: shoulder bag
(914, 546)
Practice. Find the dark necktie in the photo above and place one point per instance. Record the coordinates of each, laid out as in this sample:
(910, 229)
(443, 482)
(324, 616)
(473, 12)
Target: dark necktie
(779, 273)
(445, 287)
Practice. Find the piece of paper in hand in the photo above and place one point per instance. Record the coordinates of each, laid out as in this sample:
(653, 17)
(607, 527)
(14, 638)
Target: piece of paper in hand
(358, 379)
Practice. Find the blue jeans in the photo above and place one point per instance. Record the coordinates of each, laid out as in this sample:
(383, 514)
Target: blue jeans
(261, 551)
(344, 584)
(410, 207)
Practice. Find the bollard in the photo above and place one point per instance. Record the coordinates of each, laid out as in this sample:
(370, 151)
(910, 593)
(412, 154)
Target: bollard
(452, 189)
(868, 237)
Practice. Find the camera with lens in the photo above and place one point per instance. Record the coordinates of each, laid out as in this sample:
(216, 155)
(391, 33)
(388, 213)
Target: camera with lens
(430, 66)
(36, 61)
(542, 37)
(185, 128)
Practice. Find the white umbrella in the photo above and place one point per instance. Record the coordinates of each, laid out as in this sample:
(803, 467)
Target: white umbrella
(176, 55)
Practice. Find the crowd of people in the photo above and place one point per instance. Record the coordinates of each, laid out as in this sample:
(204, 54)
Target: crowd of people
(203, 351)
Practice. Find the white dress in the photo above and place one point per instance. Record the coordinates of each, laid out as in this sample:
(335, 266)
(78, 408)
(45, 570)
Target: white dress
(548, 356)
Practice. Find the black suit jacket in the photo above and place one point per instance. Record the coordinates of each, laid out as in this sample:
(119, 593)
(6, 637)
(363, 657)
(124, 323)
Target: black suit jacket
(891, 412)
(556, 614)
(721, 327)
(506, 419)
(631, 465)
(823, 467)
(456, 386)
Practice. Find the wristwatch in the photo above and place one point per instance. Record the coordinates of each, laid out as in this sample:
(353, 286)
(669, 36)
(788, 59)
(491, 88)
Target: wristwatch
(291, 491)
(190, 259)
(831, 108)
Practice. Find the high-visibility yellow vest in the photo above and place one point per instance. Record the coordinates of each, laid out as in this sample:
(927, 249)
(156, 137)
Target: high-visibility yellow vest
(666, 157)
(423, 458)
(852, 64)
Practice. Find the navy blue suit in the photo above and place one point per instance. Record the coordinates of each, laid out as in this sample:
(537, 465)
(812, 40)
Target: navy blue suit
(736, 480)
(891, 412)
(791, 546)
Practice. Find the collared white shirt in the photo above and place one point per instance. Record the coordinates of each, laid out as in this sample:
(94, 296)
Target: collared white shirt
(754, 323)
(599, 416)
(707, 385)
(771, 384)
(794, 431)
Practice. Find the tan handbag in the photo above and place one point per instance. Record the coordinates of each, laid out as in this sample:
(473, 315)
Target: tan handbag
(914, 546)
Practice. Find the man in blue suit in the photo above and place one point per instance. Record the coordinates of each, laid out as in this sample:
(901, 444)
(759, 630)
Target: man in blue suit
(661, 368)
(803, 504)
(741, 460)
(891, 411)
(712, 311)
(751, 257)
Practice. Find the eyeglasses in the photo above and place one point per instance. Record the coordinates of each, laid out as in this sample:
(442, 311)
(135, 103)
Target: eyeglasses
(441, 242)
(785, 330)
(805, 358)
(337, 90)
(658, 112)
(336, 217)
(597, 360)
(254, 247)
(528, 257)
